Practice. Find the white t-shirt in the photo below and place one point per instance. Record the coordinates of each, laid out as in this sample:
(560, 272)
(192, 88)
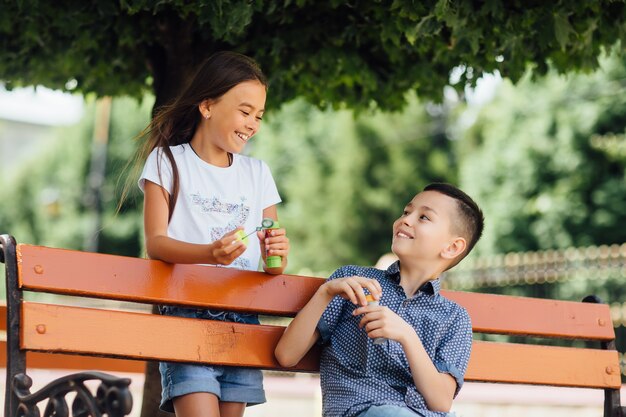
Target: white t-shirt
(213, 201)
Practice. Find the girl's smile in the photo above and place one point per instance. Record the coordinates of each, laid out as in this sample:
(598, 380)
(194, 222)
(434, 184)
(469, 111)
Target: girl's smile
(243, 136)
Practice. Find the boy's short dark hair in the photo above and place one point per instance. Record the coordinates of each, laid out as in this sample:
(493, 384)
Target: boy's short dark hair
(470, 221)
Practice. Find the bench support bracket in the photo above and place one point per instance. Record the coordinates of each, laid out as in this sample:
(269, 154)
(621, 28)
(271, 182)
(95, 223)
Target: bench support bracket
(113, 398)
(16, 358)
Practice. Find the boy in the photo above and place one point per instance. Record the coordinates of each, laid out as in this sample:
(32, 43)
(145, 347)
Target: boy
(418, 368)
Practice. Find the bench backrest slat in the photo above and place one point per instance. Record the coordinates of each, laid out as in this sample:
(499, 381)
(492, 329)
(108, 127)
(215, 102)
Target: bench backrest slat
(141, 335)
(45, 360)
(3, 317)
(40, 360)
(544, 365)
(491, 313)
(63, 271)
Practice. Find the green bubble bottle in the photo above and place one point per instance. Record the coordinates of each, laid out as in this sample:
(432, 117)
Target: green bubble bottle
(271, 261)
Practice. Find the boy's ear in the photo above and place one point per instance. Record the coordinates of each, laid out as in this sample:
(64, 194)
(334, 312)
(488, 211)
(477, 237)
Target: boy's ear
(455, 248)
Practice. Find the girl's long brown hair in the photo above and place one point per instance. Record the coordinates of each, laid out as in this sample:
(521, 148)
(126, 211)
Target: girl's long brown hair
(176, 123)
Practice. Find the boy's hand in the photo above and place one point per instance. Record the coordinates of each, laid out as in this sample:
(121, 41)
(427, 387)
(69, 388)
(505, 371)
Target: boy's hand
(351, 288)
(380, 321)
(277, 244)
(225, 250)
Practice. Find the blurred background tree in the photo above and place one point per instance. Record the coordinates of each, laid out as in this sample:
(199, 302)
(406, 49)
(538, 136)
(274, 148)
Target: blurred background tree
(44, 200)
(556, 147)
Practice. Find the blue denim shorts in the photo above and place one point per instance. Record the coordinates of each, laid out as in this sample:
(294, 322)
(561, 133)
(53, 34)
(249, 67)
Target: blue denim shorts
(231, 384)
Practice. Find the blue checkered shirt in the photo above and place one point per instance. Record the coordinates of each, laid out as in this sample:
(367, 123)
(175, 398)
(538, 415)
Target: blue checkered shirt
(357, 374)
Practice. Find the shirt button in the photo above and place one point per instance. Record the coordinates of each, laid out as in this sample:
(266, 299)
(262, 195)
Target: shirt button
(405, 303)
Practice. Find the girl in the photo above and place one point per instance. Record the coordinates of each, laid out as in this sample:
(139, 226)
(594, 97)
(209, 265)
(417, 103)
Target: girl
(198, 193)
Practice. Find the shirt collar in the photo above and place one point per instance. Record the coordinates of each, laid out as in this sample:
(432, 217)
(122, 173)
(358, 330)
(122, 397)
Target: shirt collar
(429, 287)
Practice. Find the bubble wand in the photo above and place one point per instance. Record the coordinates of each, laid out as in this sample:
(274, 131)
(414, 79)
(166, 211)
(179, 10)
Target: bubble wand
(242, 236)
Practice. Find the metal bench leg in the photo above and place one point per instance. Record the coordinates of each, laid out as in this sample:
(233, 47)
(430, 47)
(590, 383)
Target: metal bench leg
(16, 358)
(113, 398)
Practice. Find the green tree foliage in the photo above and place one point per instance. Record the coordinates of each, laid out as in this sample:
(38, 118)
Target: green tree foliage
(334, 52)
(546, 160)
(345, 179)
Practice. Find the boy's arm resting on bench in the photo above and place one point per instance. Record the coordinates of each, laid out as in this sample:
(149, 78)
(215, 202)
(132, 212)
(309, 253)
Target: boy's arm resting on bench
(302, 333)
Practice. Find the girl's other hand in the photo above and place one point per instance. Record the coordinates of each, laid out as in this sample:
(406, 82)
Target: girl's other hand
(277, 244)
(228, 248)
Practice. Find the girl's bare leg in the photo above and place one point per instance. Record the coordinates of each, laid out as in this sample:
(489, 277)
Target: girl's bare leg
(232, 409)
(197, 404)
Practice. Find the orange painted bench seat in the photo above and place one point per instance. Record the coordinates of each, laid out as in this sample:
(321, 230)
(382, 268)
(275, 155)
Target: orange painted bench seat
(109, 334)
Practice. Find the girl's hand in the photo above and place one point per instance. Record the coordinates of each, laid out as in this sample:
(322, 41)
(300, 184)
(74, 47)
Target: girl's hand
(277, 244)
(351, 288)
(380, 321)
(228, 248)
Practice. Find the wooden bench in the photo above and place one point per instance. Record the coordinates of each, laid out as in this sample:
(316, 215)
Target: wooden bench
(37, 328)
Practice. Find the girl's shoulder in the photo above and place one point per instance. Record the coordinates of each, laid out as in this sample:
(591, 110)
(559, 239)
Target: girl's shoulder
(248, 159)
(176, 150)
(250, 162)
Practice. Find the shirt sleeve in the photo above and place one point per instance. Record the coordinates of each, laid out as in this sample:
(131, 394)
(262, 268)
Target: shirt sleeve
(270, 192)
(453, 352)
(158, 170)
(330, 318)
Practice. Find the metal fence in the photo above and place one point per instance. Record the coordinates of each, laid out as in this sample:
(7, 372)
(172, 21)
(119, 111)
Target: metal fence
(550, 266)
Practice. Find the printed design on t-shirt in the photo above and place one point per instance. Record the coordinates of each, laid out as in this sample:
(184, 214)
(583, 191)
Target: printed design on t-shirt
(238, 214)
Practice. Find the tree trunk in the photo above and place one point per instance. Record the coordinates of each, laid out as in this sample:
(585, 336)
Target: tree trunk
(172, 63)
(173, 58)
(97, 172)
(152, 388)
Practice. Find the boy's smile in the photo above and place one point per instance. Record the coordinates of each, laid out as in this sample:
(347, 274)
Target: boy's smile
(403, 235)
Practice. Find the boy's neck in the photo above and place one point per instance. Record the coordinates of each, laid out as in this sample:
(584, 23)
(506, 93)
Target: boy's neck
(413, 276)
